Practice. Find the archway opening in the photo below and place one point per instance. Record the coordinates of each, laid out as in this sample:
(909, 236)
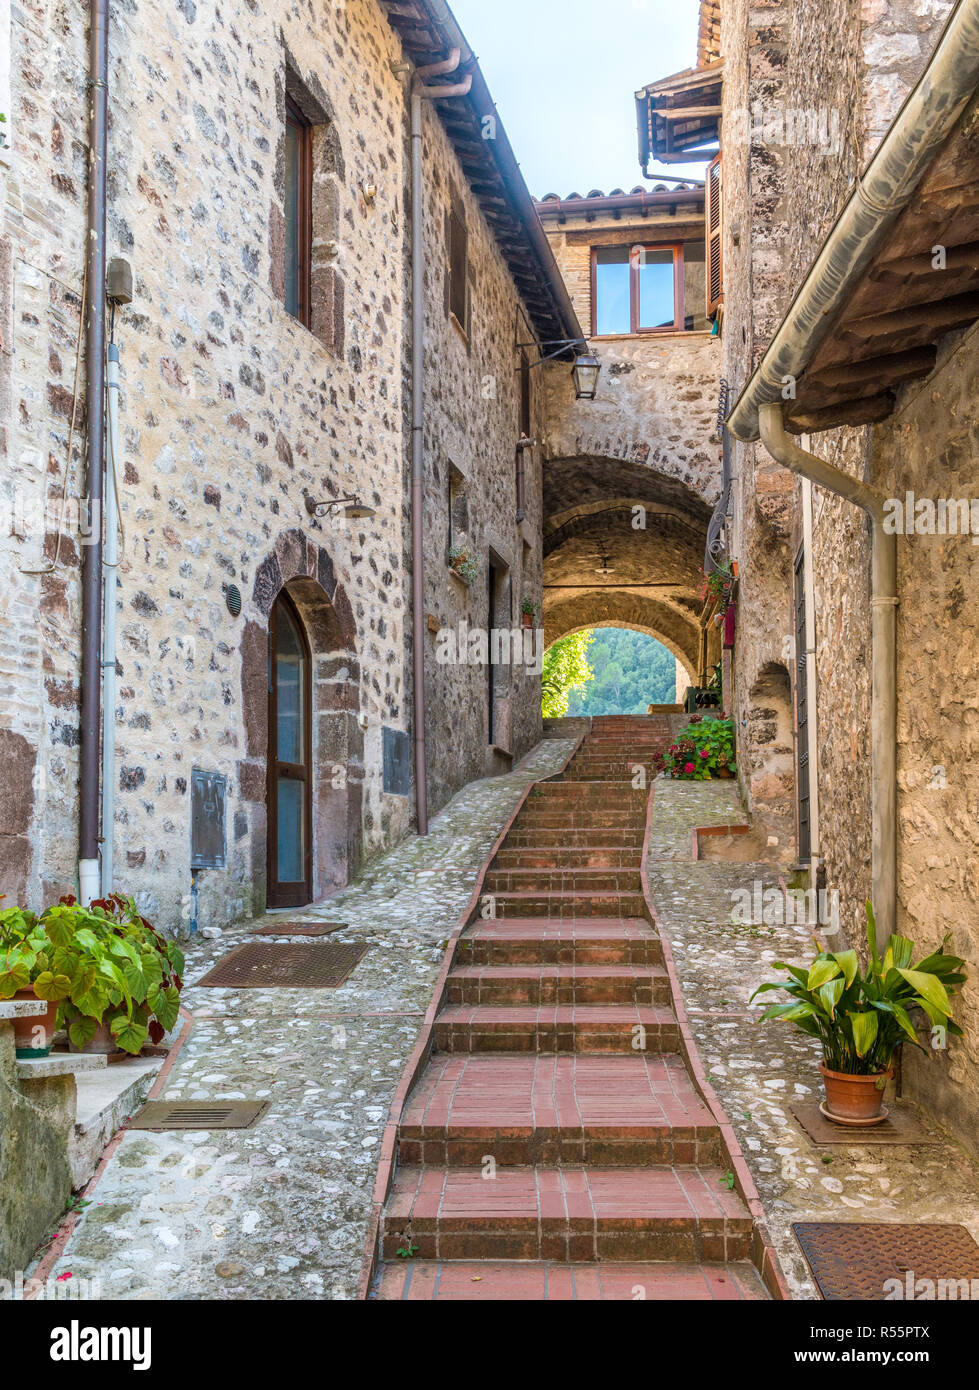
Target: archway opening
(610, 669)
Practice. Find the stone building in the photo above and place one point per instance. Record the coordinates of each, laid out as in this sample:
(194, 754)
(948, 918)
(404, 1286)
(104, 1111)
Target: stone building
(259, 187)
(631, 478)
(864, 346)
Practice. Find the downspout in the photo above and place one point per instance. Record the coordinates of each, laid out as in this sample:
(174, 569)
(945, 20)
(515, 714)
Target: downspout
(812, 715)
(111, 567)
(420, 93)
(883, 707)
(91, 634)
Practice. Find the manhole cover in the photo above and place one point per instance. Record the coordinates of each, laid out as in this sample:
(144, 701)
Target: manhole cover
(300, 928)
(199, 1114)
(875, 1260)
(262, 966)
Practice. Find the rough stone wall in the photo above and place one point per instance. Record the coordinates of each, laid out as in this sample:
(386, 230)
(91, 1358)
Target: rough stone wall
(657, 395)
(232, 413)
(929, 447)
(472, 425)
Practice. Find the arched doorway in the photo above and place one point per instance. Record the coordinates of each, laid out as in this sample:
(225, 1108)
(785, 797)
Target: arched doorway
(289, 758)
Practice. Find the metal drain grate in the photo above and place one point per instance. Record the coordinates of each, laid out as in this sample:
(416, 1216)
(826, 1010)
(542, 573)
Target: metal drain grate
(199, 1114)
(263, 966)
(854, 1260)
(300, 929)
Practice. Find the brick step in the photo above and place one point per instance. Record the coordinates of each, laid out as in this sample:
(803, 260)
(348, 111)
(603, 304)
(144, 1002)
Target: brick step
(576, 1215)
(569, 904)
(598, 941)
(580, 1028)
(540, 1281)
(557, 984)
(566, 857)
(617, 792)
(626, 836)
(557, 1111)
(583, 818)
(566, 879)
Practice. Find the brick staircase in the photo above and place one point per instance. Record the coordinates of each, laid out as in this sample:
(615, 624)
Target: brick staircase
(555, 1147)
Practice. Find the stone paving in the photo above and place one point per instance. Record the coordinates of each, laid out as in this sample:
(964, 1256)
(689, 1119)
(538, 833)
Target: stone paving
(760, 1070)
(279, 1211)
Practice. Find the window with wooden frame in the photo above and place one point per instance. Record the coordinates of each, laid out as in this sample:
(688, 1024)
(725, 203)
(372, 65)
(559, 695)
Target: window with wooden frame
(457, 281)
(714, 229)
(298, 209)
(636, 289)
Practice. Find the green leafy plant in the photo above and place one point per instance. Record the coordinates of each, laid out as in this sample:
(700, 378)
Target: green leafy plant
(564, 668)
(463, 561)
(406, 1252)
(702, 750)
(718, 584)
(861, 1016)
(104, 963)
(528, 607)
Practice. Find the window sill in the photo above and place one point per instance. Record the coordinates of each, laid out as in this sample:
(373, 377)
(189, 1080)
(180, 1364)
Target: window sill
(466, 588)
(459, 328)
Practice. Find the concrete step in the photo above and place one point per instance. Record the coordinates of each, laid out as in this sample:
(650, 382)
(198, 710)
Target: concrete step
(576, 1215)
(552, 1110)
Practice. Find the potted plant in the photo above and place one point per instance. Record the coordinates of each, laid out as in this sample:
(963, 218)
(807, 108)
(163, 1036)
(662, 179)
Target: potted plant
(861, 1016)
(718, 586)
(528, 610)
(463, 562)
(26, 972)
(126, 977)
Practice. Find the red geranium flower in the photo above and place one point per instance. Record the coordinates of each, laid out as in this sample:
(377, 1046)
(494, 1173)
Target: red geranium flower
(689, 767)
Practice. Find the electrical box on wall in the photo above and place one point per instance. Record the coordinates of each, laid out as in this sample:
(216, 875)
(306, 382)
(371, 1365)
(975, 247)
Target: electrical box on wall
(208, 795)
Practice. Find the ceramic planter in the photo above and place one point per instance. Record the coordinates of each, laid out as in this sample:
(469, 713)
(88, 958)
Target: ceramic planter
(33, 1036)
(103, 1042)
(528, 619)
(854, 1100)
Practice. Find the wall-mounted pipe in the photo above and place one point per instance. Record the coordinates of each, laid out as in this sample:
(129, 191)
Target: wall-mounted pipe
(110, 565)
(91, 634)
(883, 700)
(420, 93)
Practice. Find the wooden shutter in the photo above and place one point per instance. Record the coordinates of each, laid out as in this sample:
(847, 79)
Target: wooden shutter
(715, 278)
(459, 268)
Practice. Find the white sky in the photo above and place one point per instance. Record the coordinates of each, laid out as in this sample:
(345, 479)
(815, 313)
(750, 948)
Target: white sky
(564, 74)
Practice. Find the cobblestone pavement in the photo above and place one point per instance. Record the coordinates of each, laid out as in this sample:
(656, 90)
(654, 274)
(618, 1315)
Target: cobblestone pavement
(279, 1212)
(761, 1070)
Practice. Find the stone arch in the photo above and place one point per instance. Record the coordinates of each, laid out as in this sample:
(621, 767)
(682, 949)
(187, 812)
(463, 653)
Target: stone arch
(303, 569)
(613, 608)
(768, 750)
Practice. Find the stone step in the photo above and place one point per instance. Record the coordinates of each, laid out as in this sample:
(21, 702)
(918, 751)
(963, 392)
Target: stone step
(563, 880)
(557, 984)
(539, 1281)
(582, 818)
(614, 793)
(557, 1110)
(576, 1215)
(581, 1028)
(567, 857)
(569, 904)
(530, 940)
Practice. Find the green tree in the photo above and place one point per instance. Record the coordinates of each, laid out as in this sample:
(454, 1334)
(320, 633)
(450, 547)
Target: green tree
(632, 671)
(565, 669)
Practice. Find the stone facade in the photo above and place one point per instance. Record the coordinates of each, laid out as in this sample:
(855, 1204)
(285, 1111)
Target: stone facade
(233, 416)
(647, 441)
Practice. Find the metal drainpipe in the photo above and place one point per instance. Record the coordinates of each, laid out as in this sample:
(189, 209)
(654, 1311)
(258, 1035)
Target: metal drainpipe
(111, 567)
(883, 707)
(812, 714)
(88, 790)
(420, 93)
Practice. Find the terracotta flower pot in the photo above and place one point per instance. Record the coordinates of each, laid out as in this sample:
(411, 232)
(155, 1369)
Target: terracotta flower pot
(103, 1042)
(855, 1099)
(528, 619)
(33, 1036)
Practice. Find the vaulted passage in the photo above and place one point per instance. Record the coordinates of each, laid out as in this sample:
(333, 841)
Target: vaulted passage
(556, 1146)
(623, 546)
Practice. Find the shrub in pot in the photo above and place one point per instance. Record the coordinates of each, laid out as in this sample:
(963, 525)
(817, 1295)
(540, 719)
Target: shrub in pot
(124, 974)
(27, 972)
(704, 749)
(861, 1016)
